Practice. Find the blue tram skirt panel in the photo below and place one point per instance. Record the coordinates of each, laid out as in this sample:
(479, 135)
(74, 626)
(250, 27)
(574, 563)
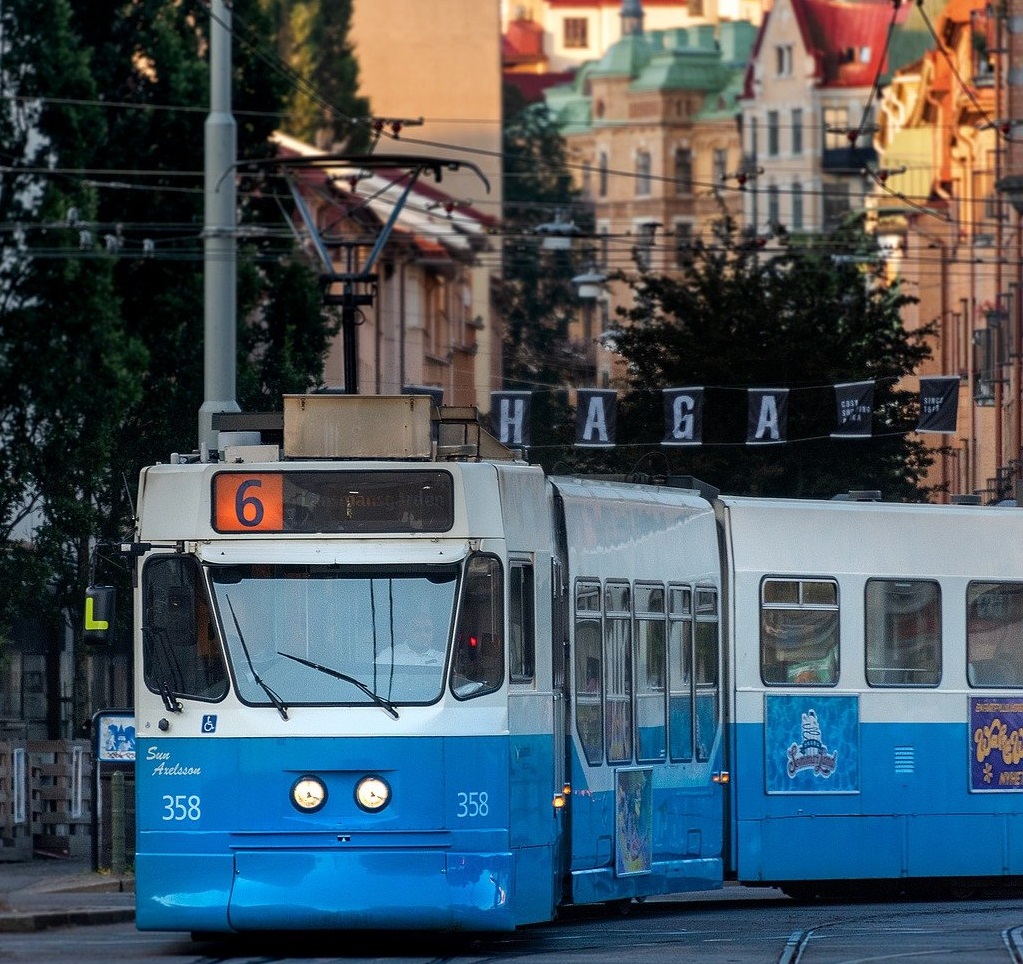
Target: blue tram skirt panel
(821, 796)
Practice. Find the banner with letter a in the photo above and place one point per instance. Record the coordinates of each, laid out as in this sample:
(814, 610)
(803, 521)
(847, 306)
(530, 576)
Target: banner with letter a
(509, 418)
(683, 416)
(595, 417)
(767, 416)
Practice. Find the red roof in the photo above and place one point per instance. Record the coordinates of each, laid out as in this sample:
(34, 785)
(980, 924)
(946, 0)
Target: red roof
(848, 38)
(532, 86)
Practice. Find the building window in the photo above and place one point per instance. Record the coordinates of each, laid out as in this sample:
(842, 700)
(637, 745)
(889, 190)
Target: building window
(642, 252)
(683, 244)
(643, 174)
(797, 206)
(602, 174)
(773, 206)
(836, 204)
(720, 162)
(836, 128)
(797, 131)
(683, 170)
(783, 60)
(772, 134)
(576, 33)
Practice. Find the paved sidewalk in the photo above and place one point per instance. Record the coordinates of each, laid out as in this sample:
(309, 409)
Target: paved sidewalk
(62, 891)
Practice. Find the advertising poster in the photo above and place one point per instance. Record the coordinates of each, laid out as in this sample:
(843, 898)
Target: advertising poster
(996, 743)
(634, 825)
(812, 744)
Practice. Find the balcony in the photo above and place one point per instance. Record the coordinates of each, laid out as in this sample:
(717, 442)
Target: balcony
(848, 160)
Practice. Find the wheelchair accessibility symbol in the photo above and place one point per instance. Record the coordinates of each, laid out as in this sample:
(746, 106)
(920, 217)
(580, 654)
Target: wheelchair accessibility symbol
(209, 723)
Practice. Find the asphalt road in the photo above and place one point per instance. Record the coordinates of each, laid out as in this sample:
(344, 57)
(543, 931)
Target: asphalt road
(736, 928)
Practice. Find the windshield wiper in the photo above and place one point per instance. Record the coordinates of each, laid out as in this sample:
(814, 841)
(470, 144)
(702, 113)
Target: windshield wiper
(273, 697)
(375, 697)
(169, 697)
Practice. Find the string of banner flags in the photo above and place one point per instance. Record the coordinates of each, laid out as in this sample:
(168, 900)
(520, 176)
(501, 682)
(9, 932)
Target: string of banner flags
(766, 419)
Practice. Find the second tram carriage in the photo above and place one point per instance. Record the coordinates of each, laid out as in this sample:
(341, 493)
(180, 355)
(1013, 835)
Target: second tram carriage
(414, 693)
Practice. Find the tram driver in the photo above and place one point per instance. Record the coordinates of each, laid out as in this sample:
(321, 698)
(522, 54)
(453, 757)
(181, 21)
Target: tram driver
(419, 644)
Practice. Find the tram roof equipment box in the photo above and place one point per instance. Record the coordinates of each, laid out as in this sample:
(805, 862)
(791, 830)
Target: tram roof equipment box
(357, 426)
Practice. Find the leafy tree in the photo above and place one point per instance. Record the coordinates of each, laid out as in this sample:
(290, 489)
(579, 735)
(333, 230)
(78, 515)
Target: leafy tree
(101, 289)
(67, 362)
(537, 299)
(312, 38)
(809, 317)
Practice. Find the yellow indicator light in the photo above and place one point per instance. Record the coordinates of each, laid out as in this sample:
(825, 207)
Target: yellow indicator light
(559, 801)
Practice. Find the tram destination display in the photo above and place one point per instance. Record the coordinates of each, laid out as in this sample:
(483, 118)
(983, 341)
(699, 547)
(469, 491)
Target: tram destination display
(333, 501)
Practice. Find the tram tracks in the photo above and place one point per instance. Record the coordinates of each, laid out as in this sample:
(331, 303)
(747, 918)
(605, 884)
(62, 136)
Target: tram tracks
(901, 932)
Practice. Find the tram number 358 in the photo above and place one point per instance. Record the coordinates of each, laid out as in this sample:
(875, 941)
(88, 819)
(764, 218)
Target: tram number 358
(181, 807)
(473, 804)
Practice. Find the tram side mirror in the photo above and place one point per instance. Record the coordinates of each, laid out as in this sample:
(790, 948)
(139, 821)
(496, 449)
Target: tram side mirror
(99, 615)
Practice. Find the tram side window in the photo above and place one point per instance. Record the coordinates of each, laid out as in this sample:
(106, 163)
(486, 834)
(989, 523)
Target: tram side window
(994, 633)
(651, 712)
(799, 632)
(589, 672)
(478, 665)
(903, 632)
(521, 625)
(680, 672)
(618, 661)
(706, 656)
(181, 654)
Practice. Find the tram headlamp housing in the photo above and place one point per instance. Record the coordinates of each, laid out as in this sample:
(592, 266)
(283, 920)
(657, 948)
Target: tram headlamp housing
(372, 793)
(308, 794)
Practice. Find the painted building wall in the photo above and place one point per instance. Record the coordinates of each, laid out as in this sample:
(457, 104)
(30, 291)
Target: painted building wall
(441, 62)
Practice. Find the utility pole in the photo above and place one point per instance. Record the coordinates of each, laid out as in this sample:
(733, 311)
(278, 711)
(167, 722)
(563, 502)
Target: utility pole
(220, 243)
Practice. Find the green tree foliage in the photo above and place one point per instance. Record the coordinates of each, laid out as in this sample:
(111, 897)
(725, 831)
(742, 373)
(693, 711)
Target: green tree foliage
(67, 361)
(101, 289)
(324, 107)
(537, 299)
(807, 318)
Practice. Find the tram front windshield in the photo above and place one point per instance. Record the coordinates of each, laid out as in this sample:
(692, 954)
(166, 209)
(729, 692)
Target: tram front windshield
(325, 635)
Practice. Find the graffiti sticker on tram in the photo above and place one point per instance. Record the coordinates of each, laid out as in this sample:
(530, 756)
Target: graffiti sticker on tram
(996, 743)
(811, 744)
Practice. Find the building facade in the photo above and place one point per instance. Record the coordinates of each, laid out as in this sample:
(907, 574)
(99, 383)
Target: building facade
(436, 69)
(651, 126)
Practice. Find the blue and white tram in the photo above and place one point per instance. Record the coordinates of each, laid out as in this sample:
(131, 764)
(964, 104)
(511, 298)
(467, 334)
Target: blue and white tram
(876, 706)
(418, 694)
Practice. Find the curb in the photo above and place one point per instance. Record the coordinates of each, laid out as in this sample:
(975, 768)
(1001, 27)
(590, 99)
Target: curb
(26, 922)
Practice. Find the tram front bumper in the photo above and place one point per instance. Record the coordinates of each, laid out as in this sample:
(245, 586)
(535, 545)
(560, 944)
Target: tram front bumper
(330, 890)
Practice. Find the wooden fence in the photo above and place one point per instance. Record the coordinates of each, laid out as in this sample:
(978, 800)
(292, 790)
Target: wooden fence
(45, 798)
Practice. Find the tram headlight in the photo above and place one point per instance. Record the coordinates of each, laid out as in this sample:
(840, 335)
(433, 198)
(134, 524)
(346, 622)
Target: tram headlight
(372, 793)
(308, 794)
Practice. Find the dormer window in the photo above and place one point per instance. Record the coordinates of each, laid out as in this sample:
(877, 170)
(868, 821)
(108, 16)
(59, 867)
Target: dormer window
(783, 60)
